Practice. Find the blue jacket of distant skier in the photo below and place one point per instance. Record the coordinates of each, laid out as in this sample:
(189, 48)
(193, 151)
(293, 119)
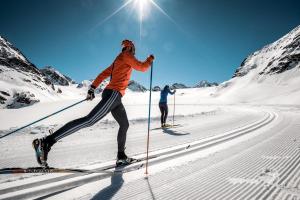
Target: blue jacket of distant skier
(164, 94)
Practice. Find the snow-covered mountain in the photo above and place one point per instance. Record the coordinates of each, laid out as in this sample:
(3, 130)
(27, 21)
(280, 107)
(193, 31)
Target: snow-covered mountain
(87, 83)
(269, 75)
(136, 87)
(56, 77)
(178, 86)
(156, 88)
(275, 58)
(205, 83)
(132, 86)
(10, 56)
(21, 82)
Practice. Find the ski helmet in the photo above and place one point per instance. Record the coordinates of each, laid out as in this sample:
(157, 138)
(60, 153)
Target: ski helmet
(166, 87)
(127, 43)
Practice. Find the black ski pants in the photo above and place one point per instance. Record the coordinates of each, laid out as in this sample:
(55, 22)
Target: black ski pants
(164, 112)
(110, 102)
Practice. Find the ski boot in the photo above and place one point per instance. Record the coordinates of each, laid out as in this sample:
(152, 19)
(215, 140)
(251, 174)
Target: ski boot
(42, 149)
(167, 125)
(123, 160)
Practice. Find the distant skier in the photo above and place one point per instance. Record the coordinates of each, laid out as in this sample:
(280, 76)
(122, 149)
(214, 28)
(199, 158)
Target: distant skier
(119, 72)
(163, 106)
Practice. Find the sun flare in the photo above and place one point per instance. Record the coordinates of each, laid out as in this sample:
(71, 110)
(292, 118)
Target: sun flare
(142, 7)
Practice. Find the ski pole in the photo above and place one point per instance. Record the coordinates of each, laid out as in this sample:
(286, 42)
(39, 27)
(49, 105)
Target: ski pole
(174, 109)
(149, 114)
(2, 136)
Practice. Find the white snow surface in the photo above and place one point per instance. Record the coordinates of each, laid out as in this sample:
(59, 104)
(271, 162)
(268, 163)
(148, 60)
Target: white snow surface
(218, 150)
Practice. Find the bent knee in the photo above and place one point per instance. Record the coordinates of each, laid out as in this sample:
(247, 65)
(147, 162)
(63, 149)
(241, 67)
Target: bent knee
(124, 125)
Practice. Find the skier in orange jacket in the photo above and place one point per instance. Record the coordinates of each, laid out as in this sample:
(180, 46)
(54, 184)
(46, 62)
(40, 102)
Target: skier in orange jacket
(119, 72)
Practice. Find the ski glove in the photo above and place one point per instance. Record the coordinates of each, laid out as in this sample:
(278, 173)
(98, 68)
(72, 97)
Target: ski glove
(151, 58)
(91, 93)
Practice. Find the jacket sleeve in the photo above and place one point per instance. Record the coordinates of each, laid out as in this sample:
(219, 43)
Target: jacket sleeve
(136, 64)
(103, 75)
(170, 92)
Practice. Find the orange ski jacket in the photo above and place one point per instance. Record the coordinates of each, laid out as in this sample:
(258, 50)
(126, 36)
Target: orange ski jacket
(120, 71)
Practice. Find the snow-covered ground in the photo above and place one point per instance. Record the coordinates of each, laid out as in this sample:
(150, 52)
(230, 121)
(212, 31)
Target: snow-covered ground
(219, 150)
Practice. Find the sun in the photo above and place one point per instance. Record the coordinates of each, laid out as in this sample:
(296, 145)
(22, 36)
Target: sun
(143, 8)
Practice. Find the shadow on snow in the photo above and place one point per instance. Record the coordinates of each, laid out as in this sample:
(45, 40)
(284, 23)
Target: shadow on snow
(173, 132)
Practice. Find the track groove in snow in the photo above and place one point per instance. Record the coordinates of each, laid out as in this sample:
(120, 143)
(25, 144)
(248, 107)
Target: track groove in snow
(251, 174)
(55, 186)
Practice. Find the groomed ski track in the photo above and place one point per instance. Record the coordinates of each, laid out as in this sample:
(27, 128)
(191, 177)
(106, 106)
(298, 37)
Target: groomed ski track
(258, 159)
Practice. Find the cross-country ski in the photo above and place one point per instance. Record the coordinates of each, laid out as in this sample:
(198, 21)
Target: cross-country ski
(36, 170)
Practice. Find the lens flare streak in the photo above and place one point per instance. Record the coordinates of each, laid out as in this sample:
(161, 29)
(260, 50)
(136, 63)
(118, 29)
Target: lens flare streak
(162, 11)
(114, 13)
(142, 7)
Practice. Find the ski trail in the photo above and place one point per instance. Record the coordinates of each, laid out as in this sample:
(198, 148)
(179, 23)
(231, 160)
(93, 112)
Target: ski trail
(56, 185)
(266, 168)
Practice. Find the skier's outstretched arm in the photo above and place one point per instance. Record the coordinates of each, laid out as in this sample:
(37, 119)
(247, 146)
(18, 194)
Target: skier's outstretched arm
(103, 75)
(170, 92)
(138, 65)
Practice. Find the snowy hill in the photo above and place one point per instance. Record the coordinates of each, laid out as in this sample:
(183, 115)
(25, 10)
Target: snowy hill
(56, 77)
(205, 83)
(269, 75)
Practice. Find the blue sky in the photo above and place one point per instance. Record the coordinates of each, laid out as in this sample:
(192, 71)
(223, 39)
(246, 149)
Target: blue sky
(207, 39)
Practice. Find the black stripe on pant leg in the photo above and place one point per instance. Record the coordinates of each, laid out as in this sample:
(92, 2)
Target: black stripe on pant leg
(82, 124)
(108, 108)
(88, 122)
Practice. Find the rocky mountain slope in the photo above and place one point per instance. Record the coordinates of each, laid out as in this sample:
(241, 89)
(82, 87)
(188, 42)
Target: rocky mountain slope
(20, 80)
(55, 77)
(271, 74)
(276, 58)
(205, 83)
(136, 87)
(178, 86)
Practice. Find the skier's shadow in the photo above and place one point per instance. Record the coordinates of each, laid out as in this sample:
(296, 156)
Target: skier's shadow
(172, 132)
(108, 192)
